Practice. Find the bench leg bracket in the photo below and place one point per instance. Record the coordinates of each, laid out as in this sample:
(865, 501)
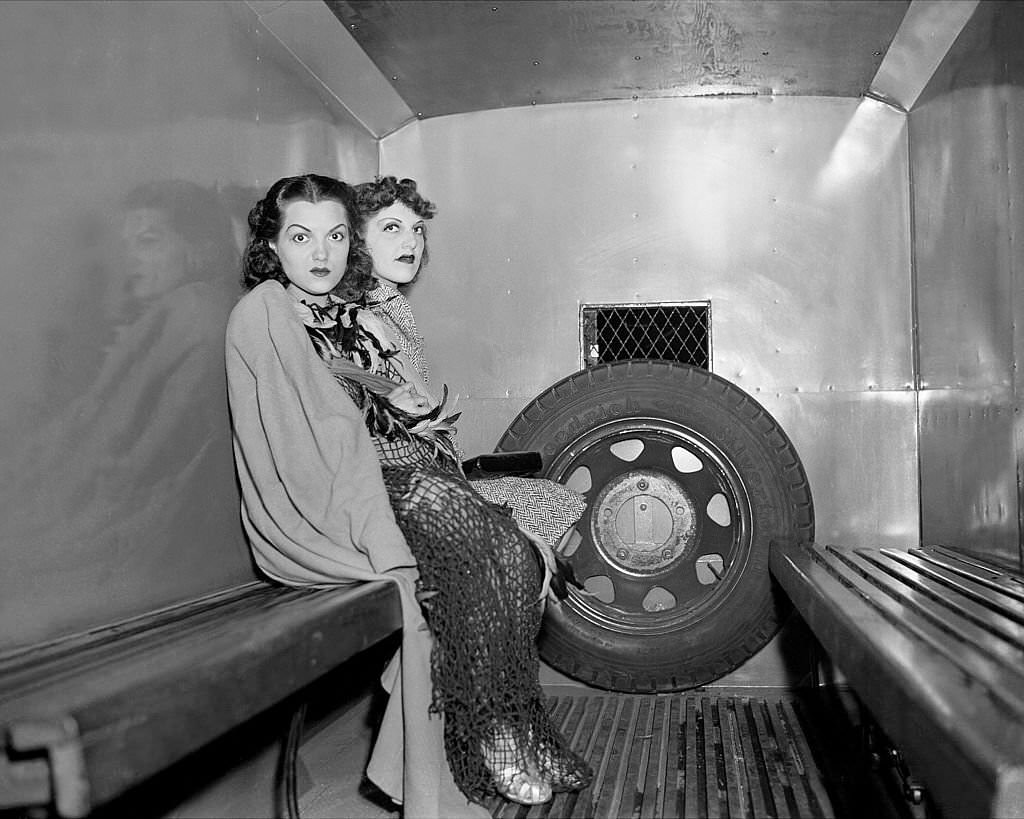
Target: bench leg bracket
(43, 765)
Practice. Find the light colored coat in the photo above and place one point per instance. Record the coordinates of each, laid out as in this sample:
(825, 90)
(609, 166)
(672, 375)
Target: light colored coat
(316, 513)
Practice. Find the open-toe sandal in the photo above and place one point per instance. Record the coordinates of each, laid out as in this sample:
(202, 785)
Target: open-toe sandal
(521, 786)
(572, 780)
(564, 774)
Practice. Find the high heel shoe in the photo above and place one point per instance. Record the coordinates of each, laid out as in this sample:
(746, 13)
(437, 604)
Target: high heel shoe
(564, 774)
(521, 786)
(515, 777)
(566, 771)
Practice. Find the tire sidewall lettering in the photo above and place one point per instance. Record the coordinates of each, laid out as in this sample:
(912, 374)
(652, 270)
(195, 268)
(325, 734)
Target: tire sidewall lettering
(576, 424)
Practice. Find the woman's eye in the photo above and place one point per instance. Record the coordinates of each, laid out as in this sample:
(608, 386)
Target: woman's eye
(299, 238)
(420, 229)
(390, 228)
(338, 236)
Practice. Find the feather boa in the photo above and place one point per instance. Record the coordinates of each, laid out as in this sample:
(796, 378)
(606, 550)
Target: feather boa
(353, 342)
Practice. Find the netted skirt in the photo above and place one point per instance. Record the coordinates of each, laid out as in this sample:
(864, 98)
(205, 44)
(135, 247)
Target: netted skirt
(479, 585)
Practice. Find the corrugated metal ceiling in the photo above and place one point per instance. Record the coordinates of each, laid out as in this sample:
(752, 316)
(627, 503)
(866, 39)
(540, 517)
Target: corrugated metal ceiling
(452, 56)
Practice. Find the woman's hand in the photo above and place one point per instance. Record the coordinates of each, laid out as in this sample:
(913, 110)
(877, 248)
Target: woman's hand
(558, 572)
(550, 567)
(407, 399)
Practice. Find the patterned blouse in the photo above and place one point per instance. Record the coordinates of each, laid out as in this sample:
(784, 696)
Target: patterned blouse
(393, 308)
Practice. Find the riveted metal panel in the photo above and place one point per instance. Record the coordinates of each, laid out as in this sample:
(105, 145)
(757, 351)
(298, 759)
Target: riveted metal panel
(134, 139)
(790, 216)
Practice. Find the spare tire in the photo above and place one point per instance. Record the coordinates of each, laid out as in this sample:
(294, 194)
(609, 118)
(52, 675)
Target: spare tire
(687, 480)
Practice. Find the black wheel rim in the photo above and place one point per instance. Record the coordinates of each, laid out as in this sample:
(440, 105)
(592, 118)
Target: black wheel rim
(667, 528)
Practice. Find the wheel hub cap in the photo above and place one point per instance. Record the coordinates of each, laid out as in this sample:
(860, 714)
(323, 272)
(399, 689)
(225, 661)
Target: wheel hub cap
(643, 522)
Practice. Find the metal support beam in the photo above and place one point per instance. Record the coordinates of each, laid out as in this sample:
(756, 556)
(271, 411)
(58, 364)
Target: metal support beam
(926, 34)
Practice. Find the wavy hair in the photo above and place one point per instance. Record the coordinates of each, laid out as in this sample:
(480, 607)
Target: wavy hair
(383, 192)
(261, 263)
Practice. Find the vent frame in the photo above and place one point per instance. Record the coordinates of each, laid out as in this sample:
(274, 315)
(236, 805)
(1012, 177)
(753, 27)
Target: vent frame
(589, 317)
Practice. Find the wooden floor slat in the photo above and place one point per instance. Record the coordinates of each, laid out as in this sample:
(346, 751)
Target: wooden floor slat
(694, 754)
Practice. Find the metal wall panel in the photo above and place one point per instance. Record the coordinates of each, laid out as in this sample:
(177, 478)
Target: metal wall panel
(966, 152)
(790, 215)
(860, 454)
(969, 470)
(964, 279)
(134, 138)
(1015, 148)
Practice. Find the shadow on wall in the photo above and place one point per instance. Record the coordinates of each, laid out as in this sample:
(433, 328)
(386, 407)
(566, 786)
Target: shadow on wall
(125, 482)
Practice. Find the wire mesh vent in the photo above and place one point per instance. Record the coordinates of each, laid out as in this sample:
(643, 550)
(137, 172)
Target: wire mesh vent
(673, 332)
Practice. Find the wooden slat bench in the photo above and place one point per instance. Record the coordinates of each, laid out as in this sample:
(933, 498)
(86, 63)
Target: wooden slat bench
(932, 642)
(87, 717)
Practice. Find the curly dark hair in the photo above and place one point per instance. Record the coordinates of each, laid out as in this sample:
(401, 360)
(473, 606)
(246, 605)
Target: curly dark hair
(383, 192)
(260, 262)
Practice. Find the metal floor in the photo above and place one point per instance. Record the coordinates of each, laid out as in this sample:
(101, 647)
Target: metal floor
(702, 754)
